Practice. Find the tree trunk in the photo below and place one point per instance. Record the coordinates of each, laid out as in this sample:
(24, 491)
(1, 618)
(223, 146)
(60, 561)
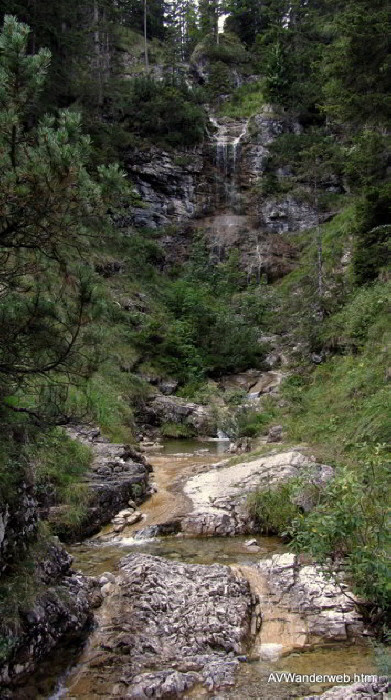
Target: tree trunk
(97, 48)
(145, 37)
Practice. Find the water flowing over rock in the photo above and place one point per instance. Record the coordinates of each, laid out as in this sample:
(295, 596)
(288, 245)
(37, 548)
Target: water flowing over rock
(219, 496)
(167, 628)
(214, 188)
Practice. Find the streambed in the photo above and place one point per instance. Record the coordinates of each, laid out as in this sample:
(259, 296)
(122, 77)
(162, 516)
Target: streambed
(70, 673)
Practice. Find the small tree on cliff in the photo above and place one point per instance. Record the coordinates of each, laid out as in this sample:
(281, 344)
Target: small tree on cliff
(50, 209)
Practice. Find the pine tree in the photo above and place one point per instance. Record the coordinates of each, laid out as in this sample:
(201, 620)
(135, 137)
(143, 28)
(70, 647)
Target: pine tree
(209, 13)
(357, 63)
(51, 209)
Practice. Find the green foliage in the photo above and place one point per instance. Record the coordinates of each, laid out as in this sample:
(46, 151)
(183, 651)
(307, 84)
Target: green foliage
(356, 64)
(228, 50)
(364, 319)
(245, 101)
(247, 18)
(288, 52)
(366, 159)
(165, 111)
(274, 509)
(59, 465)
(352, 521)
(372, 250)
(203, 325)
(177, 430)
(251, 423)
(51, 207)
(382, 653)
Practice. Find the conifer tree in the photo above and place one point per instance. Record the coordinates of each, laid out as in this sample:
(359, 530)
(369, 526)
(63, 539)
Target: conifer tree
(50, 210)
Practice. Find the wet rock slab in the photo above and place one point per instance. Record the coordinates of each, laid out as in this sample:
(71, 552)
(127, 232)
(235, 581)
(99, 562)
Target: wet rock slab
(168, 627)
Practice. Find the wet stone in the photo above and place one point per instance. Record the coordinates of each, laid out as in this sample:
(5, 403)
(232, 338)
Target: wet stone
(191, 622)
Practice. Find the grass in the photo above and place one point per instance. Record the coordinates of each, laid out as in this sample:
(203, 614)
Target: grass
(344, 405)
(274, 509)
(60, 464)
(342, 410)
(245, 101)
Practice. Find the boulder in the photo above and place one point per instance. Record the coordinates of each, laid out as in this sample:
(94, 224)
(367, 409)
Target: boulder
(378, 689)
(275, 433)
(172, 409)
(118, 474)
(327, 610)
(219, 496)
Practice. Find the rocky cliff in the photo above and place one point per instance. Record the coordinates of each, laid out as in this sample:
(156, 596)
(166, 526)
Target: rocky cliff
(44, 601)
(216, 189)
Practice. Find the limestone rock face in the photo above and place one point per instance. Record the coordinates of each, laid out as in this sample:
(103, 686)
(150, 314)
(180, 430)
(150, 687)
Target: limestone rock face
(61, 610)
(327, 609)
(219, 496)
(264, 128)
(168, 627)
(167, 185)
(118, 473)
(286, 216)
(172, 409)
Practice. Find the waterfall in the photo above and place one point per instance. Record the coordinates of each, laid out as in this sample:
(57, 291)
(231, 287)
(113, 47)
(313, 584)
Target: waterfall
(227, 156)
(236, 146)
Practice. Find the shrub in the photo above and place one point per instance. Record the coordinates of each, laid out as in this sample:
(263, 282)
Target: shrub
(372, 250)
(60, 464)
(352, 522)
(274, 510)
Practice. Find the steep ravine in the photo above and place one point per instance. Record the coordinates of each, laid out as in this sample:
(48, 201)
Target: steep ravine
(189, 609)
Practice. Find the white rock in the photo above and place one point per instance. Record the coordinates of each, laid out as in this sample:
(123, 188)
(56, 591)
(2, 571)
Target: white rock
(107, 589)
(134, 518)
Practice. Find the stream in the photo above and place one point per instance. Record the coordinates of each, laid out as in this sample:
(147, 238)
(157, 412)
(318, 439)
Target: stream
(174, 462)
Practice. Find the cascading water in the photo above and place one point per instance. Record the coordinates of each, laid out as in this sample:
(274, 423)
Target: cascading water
(227, 157)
